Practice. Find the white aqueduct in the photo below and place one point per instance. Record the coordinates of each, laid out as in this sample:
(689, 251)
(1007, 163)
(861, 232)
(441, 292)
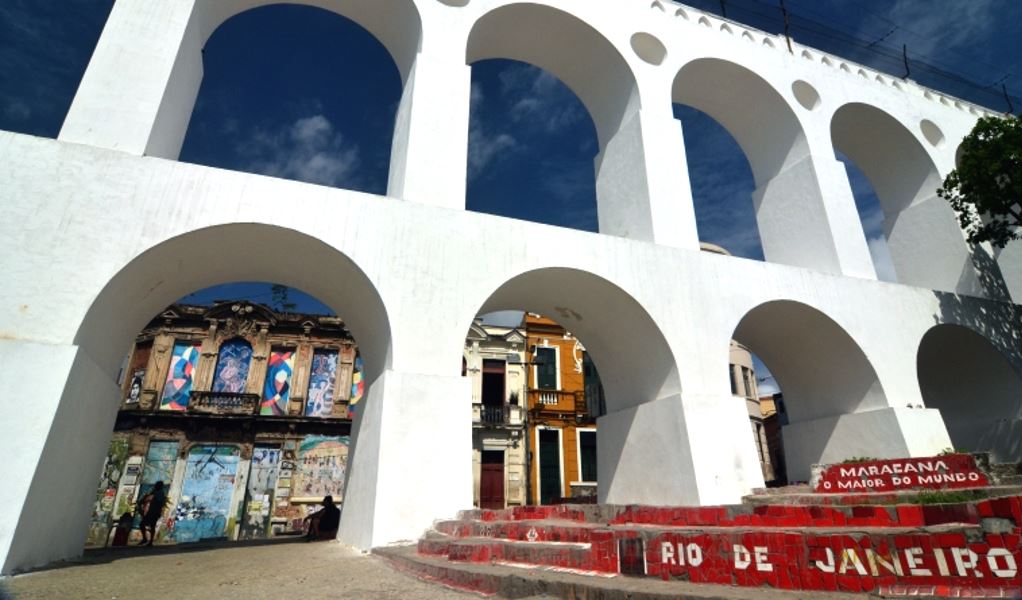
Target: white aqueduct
(102, 228)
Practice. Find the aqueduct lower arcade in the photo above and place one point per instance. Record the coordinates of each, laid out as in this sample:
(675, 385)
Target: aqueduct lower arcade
(104, 228)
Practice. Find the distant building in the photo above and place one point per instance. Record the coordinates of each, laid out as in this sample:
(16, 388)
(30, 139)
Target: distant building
(242, 411)
(774, 418)
(494, 360)
(564, 400)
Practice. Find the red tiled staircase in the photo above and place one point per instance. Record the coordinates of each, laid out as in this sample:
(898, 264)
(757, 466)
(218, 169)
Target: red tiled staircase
(970, 549)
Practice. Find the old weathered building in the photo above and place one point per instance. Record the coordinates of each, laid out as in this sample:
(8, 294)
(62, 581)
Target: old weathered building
(242, 411)
(494, 361)
(564, 400)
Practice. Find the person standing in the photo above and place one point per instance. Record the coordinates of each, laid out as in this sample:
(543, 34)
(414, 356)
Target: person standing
(151, 510)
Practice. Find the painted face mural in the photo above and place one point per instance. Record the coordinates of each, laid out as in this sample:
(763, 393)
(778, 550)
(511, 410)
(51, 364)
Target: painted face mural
(320, 401)
(277, 389)
(178, 387)
(232, 367)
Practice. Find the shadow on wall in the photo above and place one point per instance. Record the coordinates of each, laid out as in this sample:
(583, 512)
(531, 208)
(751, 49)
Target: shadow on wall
(970, 367)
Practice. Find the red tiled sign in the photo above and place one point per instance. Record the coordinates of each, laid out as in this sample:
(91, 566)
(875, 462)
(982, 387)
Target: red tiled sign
(954, 471)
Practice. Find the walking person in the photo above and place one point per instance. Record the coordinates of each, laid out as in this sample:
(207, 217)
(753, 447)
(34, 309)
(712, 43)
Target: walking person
(151, 510)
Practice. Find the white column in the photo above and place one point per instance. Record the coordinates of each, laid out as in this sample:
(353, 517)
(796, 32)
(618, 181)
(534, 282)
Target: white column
(642, 184)
(138, 91)
(411, 458)
(429, 158)
(807, 218)
(58, 415)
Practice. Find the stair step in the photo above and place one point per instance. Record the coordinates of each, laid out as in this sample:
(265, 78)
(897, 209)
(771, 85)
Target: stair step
(547, 554)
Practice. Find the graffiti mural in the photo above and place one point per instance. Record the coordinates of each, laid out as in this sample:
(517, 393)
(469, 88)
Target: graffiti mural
(277, 389)
(232, 363)
(160, 465)
(262, 477)
(103, 509)
(178, 387)
(321, 465)
(205, 504)
(320, 399)
(357, 387)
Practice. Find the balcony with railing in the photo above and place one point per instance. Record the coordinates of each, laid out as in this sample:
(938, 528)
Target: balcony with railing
(489, 415)
(223, 403)
(557, 401)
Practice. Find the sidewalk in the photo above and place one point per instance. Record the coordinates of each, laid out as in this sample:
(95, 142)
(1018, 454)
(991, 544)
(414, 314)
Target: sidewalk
(266, 570)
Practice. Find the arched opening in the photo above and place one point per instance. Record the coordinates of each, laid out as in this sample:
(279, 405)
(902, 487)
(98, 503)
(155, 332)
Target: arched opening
(722, 184)
(568, 51)
(576, 322)
(976, 389)
(786, 195)
(871, 216)
(277, 108)
(65, 479)
(925, 243)
(531, 147)
(237, 412)
(824, 377)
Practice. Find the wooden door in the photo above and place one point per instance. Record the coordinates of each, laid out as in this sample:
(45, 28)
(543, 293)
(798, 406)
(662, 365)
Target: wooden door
(549, 465)
(491, 480)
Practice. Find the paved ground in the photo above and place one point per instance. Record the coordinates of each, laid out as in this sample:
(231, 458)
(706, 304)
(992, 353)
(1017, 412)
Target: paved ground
(217, 572)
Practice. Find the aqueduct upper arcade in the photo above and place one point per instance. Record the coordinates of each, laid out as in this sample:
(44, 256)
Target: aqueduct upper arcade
(104, 227)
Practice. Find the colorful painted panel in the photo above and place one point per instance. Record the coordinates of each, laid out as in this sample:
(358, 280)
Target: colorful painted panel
(160, 464)
(322, 462)
(206, 493)
(262, 478)
(232, 366)
(277, 389)
(103, 508)
(179, 377)
(320, 399)
(357, 386)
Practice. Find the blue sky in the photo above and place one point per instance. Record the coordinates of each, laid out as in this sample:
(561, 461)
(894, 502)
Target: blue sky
(299, 93)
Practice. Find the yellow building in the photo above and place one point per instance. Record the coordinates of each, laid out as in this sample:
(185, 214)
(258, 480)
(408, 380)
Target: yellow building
(564, 399)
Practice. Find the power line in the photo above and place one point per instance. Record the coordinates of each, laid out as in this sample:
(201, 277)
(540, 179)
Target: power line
(806, 26)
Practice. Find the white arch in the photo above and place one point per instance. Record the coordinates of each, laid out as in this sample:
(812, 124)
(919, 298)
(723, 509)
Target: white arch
(635, 361)
(638, 372)
(824, 376)
(787, 195)
(926, 243)
(978, 391)
(64, 480)
(569, 48)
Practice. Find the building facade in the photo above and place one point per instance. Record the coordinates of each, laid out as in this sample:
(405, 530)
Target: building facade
(743, 386)
(242, 411)
(494, 361)
(564, 400)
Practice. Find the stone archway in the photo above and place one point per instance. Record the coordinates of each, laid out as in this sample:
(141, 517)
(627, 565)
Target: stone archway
(639, 375)
(976, 389)
(55, 506)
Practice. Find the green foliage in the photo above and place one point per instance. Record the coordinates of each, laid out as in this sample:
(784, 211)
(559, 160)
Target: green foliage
(858, 459)
(947, 497)
(986, 188)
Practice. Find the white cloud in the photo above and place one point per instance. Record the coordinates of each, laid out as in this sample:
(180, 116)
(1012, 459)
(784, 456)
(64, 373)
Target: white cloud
(485, 148)
(882, 259)
(309, 150)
